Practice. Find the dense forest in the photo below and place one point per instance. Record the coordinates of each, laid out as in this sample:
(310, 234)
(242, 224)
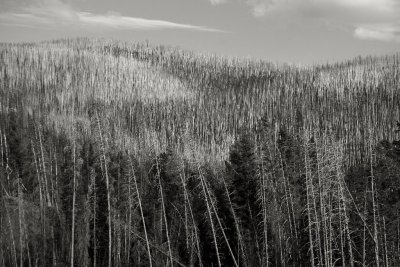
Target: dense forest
(122, 154)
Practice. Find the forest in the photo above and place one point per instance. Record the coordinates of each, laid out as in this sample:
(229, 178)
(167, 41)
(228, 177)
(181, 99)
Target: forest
(131, 154)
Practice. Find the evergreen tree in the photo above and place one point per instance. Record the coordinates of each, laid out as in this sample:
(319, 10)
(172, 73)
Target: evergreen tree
(242, 169)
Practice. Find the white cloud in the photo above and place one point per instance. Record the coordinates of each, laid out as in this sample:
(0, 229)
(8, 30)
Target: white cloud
(53, 13)
(385, 5)
(367, 19)
(126, 23)
(358, 6)
(218, 2)
(259, 8)
(386, 33)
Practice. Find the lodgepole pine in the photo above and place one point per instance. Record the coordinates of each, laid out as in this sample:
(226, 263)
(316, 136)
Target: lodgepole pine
(103, 155)
(141, 213)
(73, 207)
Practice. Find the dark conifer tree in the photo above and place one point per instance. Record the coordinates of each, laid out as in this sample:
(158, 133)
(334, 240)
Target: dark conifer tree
(242, 169)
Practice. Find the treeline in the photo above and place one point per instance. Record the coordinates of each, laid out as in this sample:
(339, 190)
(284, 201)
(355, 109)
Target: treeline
(279, 200)
(208, 99)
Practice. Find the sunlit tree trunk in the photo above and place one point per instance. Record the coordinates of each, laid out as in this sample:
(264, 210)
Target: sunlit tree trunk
(73, 206)
(104, 159)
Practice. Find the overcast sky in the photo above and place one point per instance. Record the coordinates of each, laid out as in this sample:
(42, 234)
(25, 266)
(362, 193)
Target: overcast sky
(296, 31)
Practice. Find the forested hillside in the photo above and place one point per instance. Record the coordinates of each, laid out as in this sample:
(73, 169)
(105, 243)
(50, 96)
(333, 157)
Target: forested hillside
(121, 154)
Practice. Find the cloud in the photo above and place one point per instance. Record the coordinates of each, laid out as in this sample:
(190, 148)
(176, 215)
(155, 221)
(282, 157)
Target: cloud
(127, 23)
(367, 19)
(377, 5)
(217, 2)
(357, 6)
(259, 9)
(386, 33)
(54, 13)
(365, 8)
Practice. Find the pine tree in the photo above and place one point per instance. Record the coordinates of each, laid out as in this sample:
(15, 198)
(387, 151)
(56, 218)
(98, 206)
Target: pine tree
(242, 169)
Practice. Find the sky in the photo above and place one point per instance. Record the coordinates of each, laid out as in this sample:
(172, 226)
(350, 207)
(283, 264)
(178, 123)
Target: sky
(292, 31)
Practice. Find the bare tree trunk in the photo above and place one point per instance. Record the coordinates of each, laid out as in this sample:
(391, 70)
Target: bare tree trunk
(103, 154)
(265, 258)
(7, 163)
(385, 242)
(41, 199)
(330, 242)
(342, 244)
(238, 230)
(210, 217)
(129, 219)
(2, 148)
(289, 205)
(374, 208)
(315, 209)
(56, 198)
(308, 193)
(73, 208)
(398, 236)
(27, 250)
(341, 183)
(47, 194)
(13, 247)
(364, 230)
(20, 220)
(208, 193)
(94, 218)
(193, 221)
(322, 209)
(164, 215)
(141, 214)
